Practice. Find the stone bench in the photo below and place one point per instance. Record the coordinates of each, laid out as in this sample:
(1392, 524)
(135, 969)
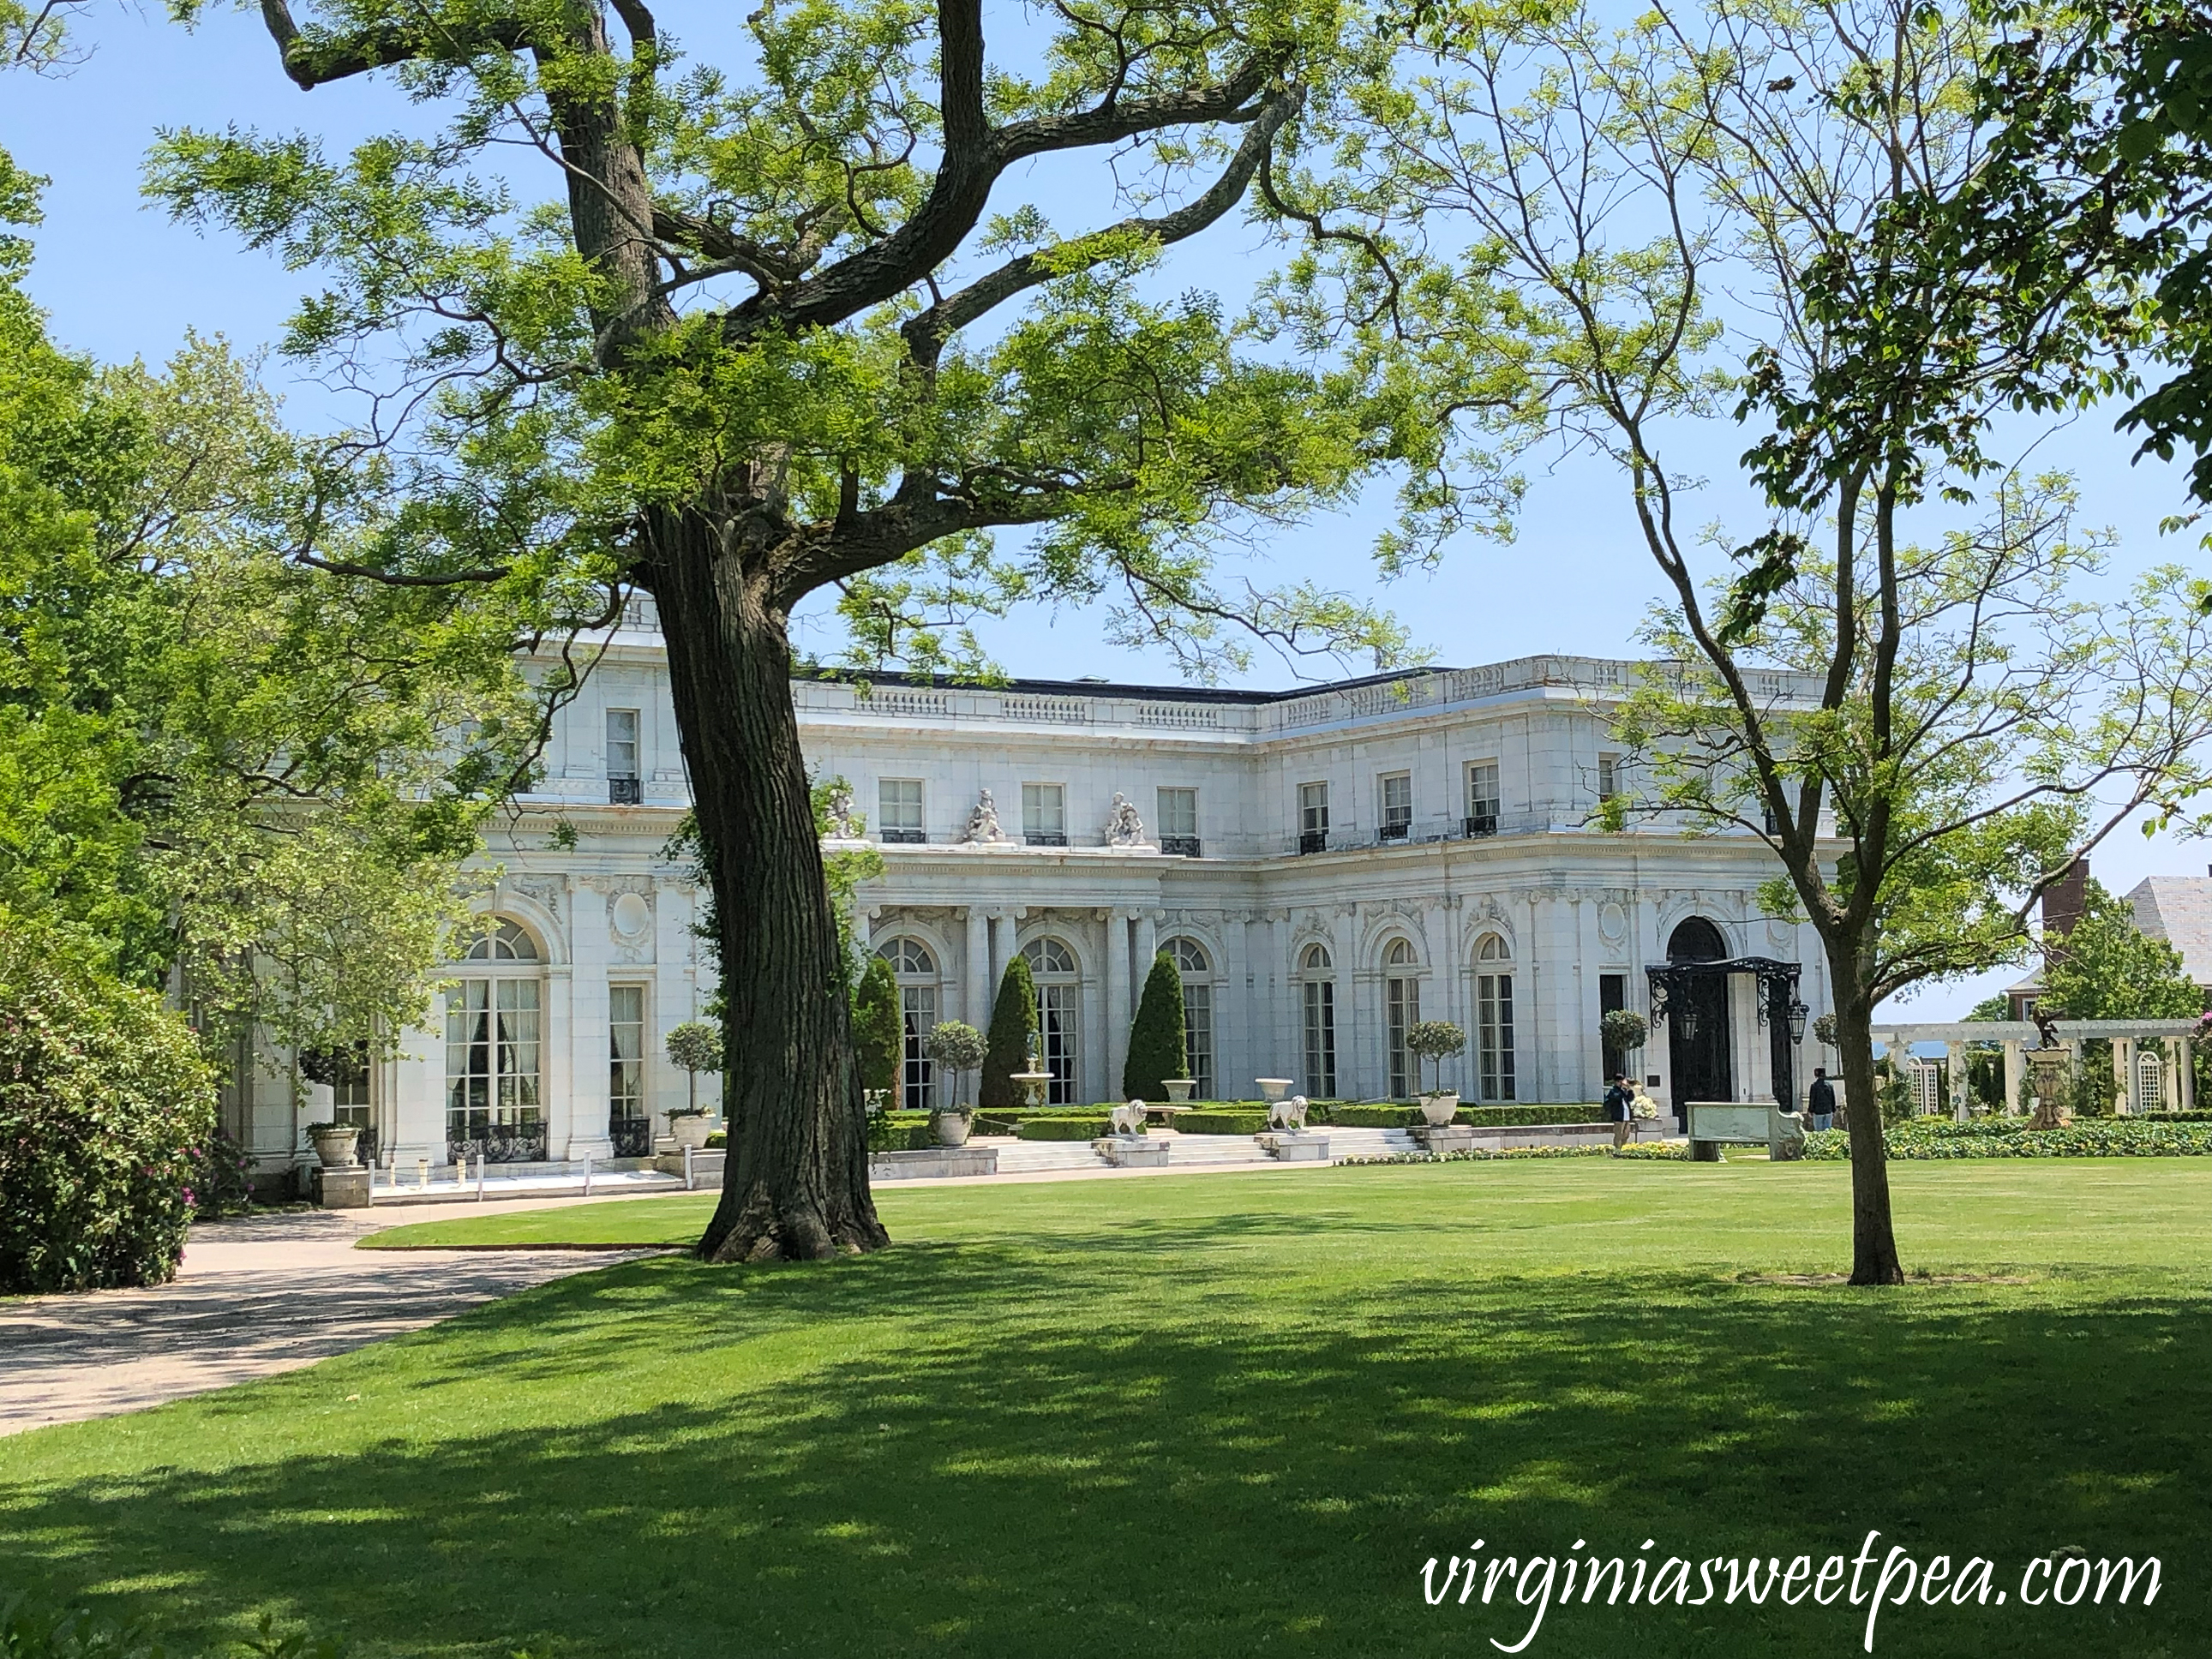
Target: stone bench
(932, 1163)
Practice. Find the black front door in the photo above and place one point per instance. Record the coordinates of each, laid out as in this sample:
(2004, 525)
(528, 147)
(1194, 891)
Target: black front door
(1698, 1064)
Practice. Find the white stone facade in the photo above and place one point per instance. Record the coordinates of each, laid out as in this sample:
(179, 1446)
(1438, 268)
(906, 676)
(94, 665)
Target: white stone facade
(1338, 862)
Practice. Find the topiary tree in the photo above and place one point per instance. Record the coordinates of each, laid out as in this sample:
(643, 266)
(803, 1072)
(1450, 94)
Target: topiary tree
(878, 1029)
(1156, 1045)
(1435, 1041)
(1623, 1029)
(1013, 1035)
(1824, 1030)
(106, 1107)
(959, 1048)
(696, 1046)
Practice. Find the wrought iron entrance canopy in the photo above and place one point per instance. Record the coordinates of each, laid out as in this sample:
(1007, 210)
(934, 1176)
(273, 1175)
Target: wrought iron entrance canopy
(1777, 985)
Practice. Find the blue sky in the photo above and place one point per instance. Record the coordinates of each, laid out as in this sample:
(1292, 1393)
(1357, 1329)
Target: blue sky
(119, 280)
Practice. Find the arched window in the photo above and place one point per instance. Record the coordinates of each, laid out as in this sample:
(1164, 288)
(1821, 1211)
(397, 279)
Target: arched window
(1197, 971)
(1318, 994)
(1493, 1018)
(1696, 940)
(1401, 1003)
(911, 959)
(1060, 1016)
(494, 1103)
(502, 941)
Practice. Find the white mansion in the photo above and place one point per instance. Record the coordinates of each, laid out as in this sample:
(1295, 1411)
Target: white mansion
(1326, 867)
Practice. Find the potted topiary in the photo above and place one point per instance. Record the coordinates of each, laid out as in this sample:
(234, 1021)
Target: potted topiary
(334, 1143)
(1436, 1041)
(960, 1048)
(696, 1046)
(691, 1125)
(1624, 1031)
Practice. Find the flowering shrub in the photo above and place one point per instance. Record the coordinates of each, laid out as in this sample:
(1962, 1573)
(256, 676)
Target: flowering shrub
(2116, 1137)
(107, 1112)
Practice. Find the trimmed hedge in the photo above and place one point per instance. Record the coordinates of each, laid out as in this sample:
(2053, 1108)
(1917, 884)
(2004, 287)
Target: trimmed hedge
(1157, 1049)
(900, 1132)
(1071, 1127)
(2112, 1137)
(1220, 1123)
(1386, 1115)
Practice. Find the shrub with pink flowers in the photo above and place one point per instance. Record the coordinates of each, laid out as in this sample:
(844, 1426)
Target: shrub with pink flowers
(106, 1107)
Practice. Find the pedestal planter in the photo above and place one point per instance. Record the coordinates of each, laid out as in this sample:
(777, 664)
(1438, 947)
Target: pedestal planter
(1272, 1089)
(952, 1129)
(1179, 1088)
(691, 1130)
(1436, 1109)
(334, 1144)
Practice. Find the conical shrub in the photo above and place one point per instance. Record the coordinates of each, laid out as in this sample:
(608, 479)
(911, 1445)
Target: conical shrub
(1155, 1036)
(878, 1029)
(1013, 1033)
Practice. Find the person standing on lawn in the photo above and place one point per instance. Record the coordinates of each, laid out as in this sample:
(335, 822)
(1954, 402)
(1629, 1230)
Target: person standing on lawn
(1619, 1104)
(1820, 1099)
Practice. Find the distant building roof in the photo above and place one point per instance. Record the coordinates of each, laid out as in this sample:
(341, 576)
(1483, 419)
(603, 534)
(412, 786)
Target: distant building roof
(2178, 909)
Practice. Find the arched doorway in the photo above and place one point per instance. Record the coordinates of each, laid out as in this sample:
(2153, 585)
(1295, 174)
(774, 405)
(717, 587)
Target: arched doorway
(1697, 1035)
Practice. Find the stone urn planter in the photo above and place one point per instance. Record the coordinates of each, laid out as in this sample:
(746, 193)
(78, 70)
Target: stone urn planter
(334, 1144)
(690, 1128)
(1179, 1088)
(1273, 1088)
(1437, 1108)
(953, 1127)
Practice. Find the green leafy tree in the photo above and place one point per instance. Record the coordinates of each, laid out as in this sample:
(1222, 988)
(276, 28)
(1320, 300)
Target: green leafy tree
(217, 763)
(774, 344)
(1435, 1041)
(1890, 648)
(1157, 1034)
(2106, 967)
(878, 1029)
(696, 1046)
(1012, 1037)
(959, 1048)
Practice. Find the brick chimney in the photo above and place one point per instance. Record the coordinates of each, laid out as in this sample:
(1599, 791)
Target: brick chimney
(2064, 901)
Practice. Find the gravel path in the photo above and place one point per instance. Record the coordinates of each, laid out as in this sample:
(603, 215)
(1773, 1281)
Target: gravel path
(257, 1295)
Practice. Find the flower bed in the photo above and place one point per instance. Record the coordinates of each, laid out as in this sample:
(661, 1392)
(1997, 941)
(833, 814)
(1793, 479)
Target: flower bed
(2113, 1137)
(1658, 1151)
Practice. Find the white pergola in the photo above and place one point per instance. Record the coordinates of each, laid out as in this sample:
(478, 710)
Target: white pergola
(2177, 1085)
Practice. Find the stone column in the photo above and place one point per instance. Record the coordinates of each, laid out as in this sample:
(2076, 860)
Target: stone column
(2176, 1055)
(1900, 1064)
(555, 1079)
(1148, 943)
(587, 1031)
(1954, 1056)
(1441, 994)
(2124, 1073)
(671, 1086)
(1236, 1060)
(1358, 1072)
(975, 969)
(2188, 1074)
(2015, 1070)
(1117, 1000)
(1750, 1062)
(1589, 959)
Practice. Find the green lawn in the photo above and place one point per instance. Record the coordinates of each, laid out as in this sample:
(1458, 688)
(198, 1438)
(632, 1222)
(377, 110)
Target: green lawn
(1216, 1415)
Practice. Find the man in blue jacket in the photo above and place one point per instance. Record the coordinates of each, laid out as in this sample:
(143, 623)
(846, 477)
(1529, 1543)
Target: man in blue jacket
(1619, 1101)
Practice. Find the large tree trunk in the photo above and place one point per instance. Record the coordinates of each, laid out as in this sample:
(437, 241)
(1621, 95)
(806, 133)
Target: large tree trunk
(795, 1185)
(1873, 1238)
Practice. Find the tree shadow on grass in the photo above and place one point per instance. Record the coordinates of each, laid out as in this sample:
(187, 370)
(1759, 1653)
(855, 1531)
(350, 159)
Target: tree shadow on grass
(999, 1450)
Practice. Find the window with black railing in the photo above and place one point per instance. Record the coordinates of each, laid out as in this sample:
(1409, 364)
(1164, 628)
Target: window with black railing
(898, 811)
(1481, 798)
(1180, 847)
(1044, 814)
(624, 772)
(1313, 840)
(1178, 810)
(1396, 792)
(1312, 817)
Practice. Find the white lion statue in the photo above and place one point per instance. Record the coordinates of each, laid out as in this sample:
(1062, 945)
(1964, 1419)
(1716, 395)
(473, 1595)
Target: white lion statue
(1129, 1120)
(1287, 1114)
